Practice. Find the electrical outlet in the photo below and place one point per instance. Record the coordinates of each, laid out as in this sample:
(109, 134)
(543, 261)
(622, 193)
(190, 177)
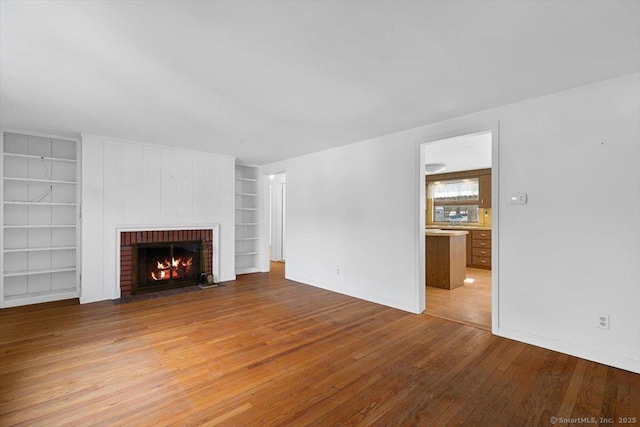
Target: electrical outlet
(603, 321)
(337, 271)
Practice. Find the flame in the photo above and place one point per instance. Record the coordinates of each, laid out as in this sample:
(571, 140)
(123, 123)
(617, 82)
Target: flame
(171, 269)
(161, 275)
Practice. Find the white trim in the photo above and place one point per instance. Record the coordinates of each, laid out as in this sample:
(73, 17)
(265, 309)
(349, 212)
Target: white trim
(115, 291)
(632, 365)
(79, 218)
(264, 204)
(376, 299)
(3, 302)
(28, 300)
(248, 270)
(41, 135)
(494, 128)
(264, 261)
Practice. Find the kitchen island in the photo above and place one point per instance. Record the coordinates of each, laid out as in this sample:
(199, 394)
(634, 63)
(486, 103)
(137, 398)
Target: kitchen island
(478, 243)
(445, 258)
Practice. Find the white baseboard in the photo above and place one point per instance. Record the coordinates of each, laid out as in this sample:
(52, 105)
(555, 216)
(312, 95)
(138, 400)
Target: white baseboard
(94, 298)
(360, 295)
(573, 350)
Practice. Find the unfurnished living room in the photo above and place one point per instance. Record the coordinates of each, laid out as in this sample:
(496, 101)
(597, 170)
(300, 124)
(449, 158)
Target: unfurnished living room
(249, 213)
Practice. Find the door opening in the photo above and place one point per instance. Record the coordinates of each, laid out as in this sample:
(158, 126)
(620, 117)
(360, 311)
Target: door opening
(277, 216)
(459, 227)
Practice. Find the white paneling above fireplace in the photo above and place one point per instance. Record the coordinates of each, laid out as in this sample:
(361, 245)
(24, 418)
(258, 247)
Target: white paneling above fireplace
(130, 184)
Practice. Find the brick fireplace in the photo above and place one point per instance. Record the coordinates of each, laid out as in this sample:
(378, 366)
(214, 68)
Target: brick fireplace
(132, 243)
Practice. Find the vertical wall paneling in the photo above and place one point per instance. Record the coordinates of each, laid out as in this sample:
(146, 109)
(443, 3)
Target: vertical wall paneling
(184, 187)
(114, 152)
(152, 185)
(199, 188)
(212, 188)
(167, 188)
(134, 199)
(92, 218)
(227, 198)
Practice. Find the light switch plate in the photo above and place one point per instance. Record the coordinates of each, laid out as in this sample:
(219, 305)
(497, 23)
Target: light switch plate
(518, 198)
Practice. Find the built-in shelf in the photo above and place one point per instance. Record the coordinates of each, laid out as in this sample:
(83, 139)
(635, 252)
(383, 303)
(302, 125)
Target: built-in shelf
(38, 297)
(42, 226)
(38, 271)
(247, 211)
(41, 203)
(40, 238)
(46, 181)
(46, 158)
(52, 248)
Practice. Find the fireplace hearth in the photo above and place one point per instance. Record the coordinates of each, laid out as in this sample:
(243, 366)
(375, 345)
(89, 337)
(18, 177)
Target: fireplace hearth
(157, 260)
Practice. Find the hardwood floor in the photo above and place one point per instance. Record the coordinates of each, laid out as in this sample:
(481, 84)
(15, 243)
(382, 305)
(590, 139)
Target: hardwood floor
(469, 304)
(268, 351)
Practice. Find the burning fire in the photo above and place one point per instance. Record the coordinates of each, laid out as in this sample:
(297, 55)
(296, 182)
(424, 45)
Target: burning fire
(172, 269)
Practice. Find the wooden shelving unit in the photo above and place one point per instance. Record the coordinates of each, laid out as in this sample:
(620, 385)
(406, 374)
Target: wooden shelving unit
(40, 227)
(246, 205)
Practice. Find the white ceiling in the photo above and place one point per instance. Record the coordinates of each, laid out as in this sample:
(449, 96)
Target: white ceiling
(462, 153)
(266, 81)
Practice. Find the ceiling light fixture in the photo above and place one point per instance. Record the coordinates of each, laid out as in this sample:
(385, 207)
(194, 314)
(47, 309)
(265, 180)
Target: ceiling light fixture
(434, 167)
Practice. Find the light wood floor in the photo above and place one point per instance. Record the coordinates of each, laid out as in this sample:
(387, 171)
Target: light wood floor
(268, 351)
(469, 304)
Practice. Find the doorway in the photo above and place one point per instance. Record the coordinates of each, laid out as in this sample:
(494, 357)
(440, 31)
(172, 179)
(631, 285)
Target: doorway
(277, 217)
(459, 227)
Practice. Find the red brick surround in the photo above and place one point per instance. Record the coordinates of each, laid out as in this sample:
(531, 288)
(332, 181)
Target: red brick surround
(127, 238)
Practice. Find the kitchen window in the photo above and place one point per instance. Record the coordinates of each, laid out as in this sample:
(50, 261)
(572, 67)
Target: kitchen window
(455, 201)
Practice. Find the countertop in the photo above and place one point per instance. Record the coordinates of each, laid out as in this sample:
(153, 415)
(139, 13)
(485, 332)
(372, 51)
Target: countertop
(444, 233)
(456, 227)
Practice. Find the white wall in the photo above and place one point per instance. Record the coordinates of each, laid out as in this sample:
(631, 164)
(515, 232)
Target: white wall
(127, 183)
(351, 209)
(572, 252)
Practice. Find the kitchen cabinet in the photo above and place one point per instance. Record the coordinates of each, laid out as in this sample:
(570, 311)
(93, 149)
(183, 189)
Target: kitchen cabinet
(478, 247)
(481, 249)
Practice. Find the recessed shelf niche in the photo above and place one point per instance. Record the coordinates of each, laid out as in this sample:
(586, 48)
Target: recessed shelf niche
(40, 227)
(246, 205)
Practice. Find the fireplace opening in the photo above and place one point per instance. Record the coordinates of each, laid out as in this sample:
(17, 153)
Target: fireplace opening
(166, 265)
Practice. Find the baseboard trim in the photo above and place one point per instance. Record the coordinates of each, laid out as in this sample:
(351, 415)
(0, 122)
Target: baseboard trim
(573, 350)
(360, 295)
